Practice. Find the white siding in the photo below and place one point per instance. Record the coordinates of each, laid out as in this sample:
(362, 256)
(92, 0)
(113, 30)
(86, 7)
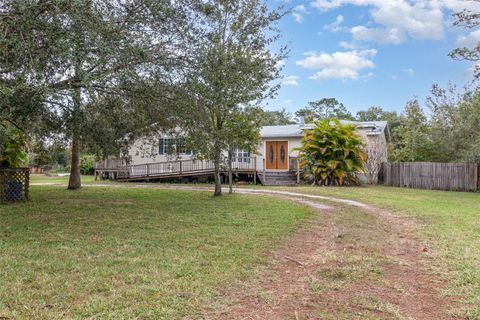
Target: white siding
(146, 151)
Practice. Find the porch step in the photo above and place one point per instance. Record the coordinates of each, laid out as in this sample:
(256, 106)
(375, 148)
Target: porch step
(280, 178)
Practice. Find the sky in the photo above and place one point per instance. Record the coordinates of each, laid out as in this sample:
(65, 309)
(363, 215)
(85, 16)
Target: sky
(370, 52)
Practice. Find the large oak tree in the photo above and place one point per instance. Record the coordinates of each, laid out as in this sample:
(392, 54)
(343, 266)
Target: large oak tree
(98, 68)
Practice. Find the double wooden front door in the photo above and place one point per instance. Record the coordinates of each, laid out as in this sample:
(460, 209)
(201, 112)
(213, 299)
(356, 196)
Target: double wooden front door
(277, 155)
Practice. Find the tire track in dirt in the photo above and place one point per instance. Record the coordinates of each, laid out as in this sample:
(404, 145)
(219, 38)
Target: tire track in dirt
(367, 267)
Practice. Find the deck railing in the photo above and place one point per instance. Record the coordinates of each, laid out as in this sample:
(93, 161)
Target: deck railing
(244, 163)
(110, 164)
(183, 167)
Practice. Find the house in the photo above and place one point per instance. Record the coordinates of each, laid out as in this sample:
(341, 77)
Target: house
(275, 159)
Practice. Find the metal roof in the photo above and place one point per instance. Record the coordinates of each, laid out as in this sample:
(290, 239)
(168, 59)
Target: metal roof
(296, 130)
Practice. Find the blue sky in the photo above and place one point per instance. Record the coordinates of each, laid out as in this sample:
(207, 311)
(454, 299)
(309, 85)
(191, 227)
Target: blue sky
(370, 52)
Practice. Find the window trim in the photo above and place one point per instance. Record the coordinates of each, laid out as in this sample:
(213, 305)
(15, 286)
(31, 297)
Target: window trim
(241, 155)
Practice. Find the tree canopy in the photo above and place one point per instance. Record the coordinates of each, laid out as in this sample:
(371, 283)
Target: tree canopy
(96, 70)
(469, 20)
(325, 108)
(276, 118)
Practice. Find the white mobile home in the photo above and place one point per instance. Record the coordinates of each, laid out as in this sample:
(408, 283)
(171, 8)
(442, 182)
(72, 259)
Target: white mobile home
(167, 156)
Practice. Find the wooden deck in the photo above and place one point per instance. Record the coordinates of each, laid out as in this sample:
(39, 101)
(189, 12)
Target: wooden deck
(119, 170)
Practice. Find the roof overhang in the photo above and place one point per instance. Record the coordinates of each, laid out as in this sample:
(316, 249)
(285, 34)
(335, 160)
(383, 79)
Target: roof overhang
(282, 136)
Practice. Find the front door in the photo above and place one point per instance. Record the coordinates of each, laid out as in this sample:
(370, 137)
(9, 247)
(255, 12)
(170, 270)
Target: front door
(277, 155)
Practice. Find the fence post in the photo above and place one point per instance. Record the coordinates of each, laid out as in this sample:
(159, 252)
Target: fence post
(148, 169)
(180, 166)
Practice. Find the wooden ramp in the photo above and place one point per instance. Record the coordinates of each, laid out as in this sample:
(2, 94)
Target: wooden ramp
(119, 170)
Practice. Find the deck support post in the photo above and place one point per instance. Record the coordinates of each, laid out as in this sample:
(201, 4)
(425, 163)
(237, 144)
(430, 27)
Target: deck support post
(255, 170)
(264, 173)
(298, 171)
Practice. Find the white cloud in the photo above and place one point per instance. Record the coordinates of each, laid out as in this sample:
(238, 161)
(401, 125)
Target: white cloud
(327, 4)
(331, 73)
(338, 65)
(397, 20)
(368, 75)
(455, 5)
(348, 45)
(336, 25)
(409, 71)
(298, 13)
(298, 17)
(290, 80)
(470, 40)
(475, 67)
(394, 35)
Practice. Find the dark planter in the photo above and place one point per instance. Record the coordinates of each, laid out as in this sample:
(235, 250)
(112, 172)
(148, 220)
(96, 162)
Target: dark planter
(14, 184)
(13, 190)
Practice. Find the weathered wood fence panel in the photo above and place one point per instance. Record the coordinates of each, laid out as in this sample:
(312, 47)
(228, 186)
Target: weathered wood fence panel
(431, 175)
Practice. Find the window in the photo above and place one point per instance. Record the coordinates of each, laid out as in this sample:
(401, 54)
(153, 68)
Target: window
(172, 146)
(181, 146)
(241, 155)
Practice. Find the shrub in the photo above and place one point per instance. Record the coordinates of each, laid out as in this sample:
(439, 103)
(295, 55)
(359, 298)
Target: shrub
(86, 164)
(12, 146)
(332, 153)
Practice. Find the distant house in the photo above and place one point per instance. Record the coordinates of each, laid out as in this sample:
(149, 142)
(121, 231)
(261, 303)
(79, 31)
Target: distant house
(274, 158)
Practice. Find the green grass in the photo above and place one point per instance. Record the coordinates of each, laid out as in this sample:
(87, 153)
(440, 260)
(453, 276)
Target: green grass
(452, 224)
(41, 178)
(117, 253)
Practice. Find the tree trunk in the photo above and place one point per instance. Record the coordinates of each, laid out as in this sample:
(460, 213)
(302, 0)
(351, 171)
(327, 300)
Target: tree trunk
(74, 181)
(230, 174)
(218, 181)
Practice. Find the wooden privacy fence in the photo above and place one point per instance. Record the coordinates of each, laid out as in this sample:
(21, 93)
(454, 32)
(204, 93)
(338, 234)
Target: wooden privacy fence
(431, 175)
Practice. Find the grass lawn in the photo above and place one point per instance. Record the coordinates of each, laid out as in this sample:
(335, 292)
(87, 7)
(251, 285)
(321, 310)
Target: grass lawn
(41, 178)
(452, 224)
(122, 253)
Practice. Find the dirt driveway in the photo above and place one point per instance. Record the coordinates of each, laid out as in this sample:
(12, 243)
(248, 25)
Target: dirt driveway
(351, 261)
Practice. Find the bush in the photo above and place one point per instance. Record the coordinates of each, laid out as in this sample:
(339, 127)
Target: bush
(12, 146)
(332, 153)
(86, 164)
